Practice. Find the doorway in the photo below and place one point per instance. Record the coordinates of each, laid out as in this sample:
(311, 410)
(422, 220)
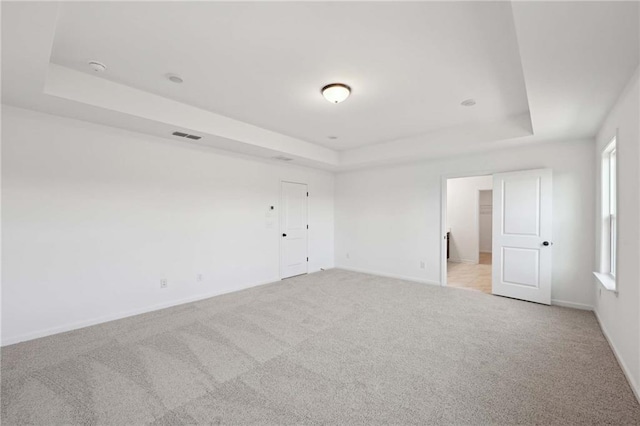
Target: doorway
(469, 223)
(521, 228)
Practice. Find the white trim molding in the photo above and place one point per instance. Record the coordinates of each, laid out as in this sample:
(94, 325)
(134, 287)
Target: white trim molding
(6, 341)
(607, 281)
(467, 261)
(574, 305)
(382, 274)
(623, 365)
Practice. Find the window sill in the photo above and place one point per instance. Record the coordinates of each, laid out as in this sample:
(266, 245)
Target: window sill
(607, 281)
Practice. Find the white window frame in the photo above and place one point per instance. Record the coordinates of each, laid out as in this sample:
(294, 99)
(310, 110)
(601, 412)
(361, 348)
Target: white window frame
(609, 226)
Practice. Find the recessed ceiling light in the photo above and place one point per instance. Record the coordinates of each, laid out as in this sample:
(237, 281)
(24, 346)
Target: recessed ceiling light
(332, 137)
(336, 92)
(97, 66)
(175, 78)
(468, 102)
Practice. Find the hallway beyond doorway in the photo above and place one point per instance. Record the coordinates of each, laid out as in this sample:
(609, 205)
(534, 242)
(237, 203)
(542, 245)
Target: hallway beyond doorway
(471, 276)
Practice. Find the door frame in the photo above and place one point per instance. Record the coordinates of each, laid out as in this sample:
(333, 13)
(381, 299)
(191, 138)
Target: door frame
(443, 212)
(280, 213)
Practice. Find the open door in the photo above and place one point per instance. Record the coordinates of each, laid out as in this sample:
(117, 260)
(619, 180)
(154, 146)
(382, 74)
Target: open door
(522, 235)
(293, 224)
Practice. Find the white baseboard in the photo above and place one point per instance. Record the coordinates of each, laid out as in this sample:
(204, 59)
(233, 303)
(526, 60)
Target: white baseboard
(468, 261)
(573, 305)
(383, 274)
(86, 323)
(623, 365)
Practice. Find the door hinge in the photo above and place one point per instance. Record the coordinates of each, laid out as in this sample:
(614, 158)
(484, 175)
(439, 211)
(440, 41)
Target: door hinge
(307, 226)
(307, 194)
(307, 259)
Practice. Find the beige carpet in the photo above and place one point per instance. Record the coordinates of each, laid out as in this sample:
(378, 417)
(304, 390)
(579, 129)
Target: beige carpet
(334, 347)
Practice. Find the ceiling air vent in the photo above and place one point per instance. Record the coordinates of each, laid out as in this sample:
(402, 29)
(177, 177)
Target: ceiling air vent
(186, 135)
(282, 158)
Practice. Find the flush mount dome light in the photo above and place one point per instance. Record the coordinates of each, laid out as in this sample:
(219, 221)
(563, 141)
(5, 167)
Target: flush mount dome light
(336, 92)
(468, 102)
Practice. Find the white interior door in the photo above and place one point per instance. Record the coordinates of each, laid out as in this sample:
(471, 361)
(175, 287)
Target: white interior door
(522, 244)
(294, 229)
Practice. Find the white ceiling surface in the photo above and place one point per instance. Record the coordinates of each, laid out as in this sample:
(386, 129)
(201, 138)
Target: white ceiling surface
(409, 64)
(253, 72)
(577, 58)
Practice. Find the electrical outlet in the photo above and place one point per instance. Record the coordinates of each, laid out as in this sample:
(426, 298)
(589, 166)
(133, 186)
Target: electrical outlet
(348, 256)
(422, 264)
(164, 283)
(200, 277)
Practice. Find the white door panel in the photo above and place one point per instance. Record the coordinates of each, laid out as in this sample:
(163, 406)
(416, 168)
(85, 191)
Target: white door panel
(522, 224)
(293, 226)
(520, 266)
(521, 207)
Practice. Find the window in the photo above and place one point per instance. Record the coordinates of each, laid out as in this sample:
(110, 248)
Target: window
(611, 159)
(608, 240)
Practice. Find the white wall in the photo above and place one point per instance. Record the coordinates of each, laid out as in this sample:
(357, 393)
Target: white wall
(388, 219)
(463, 216)
(94, 217)
(486, 221)
(619, 312)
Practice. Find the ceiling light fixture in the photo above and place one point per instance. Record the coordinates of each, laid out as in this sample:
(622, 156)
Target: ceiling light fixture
(175, 78)
(336, 92)
(332, 137)
(468, 102)
(97, 66)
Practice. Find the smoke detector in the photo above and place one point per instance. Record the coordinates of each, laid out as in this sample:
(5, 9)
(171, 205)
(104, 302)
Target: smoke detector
(97, 66)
